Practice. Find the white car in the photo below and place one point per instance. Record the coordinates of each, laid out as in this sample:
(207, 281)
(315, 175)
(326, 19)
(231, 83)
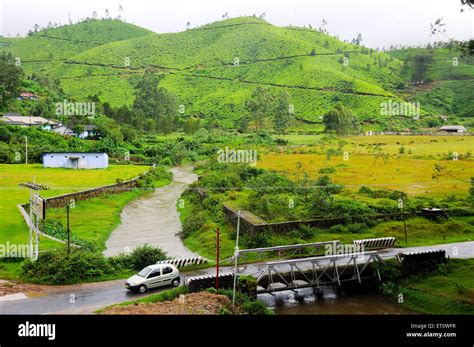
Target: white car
(153, 276)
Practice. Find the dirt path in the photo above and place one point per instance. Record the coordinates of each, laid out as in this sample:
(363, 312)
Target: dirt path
(153, 219)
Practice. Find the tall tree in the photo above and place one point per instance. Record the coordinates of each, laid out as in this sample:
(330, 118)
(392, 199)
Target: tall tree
(420, 63)
(281, 114)
(341, 120)
(10, 78)
(260, 105)
(155, 104)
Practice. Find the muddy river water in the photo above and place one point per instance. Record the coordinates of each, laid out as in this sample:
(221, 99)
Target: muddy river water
(331, 301)
(153, 219)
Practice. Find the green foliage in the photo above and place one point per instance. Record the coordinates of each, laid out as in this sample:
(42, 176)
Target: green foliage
(341, 120)
(259, 106)
(250, 305)
(282, 116)
(193, 223)
(143, 256)
(256, 307)
(421, 64)
(10, 76)
(155, 106)
(203, 76)
(59, 267)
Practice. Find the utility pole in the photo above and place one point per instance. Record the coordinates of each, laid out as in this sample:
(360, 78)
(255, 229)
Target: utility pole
(218, 236)
(236, 256)
(68, 231)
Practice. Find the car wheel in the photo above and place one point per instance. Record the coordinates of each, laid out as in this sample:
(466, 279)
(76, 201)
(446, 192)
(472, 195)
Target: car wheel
(142, 288)
(175, 282)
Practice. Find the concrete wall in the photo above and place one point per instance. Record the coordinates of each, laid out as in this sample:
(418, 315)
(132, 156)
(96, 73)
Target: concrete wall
(76, 160)
(63, 200)
(248, 226)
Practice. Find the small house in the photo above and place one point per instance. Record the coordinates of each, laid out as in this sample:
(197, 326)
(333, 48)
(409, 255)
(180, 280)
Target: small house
(453, 129)
(27, 121)
(28, 96)
(63, 130)
(76, 160)
(89, 131)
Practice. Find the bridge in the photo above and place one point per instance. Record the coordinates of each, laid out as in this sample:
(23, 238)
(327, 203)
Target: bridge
(345, 263)
(317, 271)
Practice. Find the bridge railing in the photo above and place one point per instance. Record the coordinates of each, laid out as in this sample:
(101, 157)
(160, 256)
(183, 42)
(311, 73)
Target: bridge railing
(317, 271)
(280, 249)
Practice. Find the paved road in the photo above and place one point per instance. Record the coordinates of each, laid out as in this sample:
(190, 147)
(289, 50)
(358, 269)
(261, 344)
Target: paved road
(93, 296)
(153, 219)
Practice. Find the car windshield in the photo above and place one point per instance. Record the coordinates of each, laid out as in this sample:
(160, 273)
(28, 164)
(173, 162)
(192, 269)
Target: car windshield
(144, 272)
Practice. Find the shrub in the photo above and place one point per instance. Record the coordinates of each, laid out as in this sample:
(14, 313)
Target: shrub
(59, 267)
(247, 285)
(327, 170)
(143, 256)
(256, 307)
(193, 222)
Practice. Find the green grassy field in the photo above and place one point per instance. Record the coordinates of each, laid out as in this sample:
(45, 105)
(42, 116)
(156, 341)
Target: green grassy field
(13, 227)
(95, 219)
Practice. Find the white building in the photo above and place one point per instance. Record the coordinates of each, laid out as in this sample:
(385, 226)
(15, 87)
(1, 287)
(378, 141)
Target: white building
(28, 121)
(79, 160)
(453, 129)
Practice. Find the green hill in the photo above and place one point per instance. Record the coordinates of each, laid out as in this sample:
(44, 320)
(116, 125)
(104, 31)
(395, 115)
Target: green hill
(47, 48)
(215, 68)
(199, 67)
(449, 87)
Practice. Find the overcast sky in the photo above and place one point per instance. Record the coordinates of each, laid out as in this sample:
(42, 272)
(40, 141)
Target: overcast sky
(381, 22)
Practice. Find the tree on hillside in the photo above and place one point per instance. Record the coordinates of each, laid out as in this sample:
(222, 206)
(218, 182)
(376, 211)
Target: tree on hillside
(260, 105)
(10, 78)
(155, 104)
(466, 47)
(281, 114)
(420, 63)
(357, 40)
(341, 120)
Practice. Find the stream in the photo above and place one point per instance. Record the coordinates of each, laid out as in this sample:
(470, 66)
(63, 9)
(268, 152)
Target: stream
(331, 301)
(153, 219)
